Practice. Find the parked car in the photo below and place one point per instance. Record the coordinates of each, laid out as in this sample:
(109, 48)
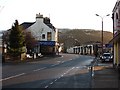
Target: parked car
(107, 57)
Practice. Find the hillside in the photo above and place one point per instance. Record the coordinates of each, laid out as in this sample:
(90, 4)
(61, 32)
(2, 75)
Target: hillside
(82, 36)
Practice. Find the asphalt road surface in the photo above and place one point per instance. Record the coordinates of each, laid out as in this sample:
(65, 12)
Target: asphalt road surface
(65, 71)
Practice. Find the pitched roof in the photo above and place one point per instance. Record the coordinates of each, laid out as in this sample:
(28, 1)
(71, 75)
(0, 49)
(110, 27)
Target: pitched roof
(46, 20)
(25, 25)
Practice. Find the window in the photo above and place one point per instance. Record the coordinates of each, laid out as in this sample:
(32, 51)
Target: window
(49, 36)
(43, 36)
(116, 15)
(119, 14)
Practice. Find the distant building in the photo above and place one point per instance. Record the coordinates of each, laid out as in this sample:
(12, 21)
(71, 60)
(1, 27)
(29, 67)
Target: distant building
(83, 49)
(116, 33)
(45, 33)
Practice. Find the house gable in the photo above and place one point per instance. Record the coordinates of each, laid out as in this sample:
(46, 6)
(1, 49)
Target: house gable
(41, 26)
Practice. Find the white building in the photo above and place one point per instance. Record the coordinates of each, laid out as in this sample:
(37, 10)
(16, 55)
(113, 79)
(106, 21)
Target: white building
(45, 33)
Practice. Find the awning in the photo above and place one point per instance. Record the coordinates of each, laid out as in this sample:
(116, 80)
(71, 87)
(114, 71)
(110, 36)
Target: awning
(115, 39)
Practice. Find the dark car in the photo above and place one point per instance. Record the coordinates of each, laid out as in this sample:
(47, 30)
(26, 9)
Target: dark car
(107, 57)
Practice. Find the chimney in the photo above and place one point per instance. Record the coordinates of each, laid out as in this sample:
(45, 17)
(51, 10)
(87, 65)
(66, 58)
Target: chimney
(39, 17)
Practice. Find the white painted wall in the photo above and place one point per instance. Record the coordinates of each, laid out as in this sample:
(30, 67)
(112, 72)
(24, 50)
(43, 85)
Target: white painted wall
(70, 50)
(39, 28)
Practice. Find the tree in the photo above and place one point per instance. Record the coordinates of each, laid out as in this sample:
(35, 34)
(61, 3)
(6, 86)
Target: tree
(30, 41)
(16, 40)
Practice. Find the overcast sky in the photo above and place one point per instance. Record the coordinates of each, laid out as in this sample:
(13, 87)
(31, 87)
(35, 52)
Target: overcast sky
(73, 14)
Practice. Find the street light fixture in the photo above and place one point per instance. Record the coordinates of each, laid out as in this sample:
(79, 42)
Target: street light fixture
(102, 28)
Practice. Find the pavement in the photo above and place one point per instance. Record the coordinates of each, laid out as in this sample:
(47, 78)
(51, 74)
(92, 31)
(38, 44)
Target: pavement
(105, 76)
(31, 59)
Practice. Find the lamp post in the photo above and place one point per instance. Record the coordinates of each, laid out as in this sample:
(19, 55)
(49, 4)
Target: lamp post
(102, 28)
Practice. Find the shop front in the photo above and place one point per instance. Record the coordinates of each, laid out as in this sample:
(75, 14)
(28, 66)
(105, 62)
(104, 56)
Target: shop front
(47, 47)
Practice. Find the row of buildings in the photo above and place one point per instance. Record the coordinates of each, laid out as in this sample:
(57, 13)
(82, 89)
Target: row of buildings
(91, 49)
(116, 34)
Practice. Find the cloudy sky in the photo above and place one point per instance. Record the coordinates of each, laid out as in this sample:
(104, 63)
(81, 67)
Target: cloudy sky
(73, 14)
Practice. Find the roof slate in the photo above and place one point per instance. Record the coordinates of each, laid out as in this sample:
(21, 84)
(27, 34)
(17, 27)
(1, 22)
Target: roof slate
(25, 25)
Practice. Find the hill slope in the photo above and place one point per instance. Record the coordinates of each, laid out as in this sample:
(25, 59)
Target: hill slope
(82, 36)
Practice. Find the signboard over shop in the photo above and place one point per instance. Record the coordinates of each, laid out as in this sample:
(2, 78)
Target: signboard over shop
(46, 43)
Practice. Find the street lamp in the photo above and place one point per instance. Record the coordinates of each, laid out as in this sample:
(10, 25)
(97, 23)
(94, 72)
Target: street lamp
(102, 28)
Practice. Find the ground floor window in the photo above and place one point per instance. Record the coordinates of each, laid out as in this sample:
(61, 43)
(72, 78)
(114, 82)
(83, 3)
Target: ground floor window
(47, 49)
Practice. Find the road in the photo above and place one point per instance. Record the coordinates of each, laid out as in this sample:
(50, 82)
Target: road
(66, 71)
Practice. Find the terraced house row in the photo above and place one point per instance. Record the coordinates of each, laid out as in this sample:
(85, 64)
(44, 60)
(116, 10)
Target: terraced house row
(116, 33)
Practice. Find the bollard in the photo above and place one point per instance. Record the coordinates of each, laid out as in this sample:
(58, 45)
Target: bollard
(92, 71)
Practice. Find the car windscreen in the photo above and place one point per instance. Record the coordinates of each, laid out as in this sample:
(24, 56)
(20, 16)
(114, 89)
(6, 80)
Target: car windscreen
(106, 55)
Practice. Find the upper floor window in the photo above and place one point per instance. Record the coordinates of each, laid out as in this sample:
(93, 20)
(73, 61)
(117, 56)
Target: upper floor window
(116, 15)
(49, 36)
(43, 36)
(119, 14)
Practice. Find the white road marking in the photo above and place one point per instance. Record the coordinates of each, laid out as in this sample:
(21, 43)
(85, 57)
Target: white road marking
(12, 77)
(36, 70)
(39, 69)
(59, 77)
(51, 83)
(46, 86)
(54, 65)
(71, 59)
(73, 68)
(55, 80)
(62, 75)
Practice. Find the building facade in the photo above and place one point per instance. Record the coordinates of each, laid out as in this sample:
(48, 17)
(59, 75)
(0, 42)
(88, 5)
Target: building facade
(83, 50)
(116, 34)
(45, 33)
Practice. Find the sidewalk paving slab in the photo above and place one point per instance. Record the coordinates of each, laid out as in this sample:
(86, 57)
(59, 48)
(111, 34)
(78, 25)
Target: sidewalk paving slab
(105, 76)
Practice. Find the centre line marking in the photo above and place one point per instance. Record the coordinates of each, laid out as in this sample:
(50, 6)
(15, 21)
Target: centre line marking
(55, 64)
(51, 83)
(46, 86)
(39, 69)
